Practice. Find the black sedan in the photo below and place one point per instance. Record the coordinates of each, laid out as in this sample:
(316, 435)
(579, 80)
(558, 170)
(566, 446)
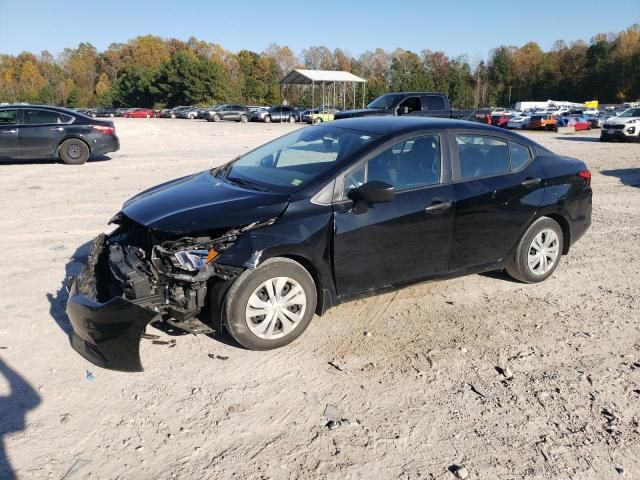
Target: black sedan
(103, 112)
(320, 216)
(39, 132)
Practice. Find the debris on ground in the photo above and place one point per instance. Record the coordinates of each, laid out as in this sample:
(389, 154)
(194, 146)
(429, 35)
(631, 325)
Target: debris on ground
(459, 471)
(218, 357)
(171, 343)
(332, 412)
(90, 376)
(150, 336)
(479, 391)
(75, 467)
(335, 365)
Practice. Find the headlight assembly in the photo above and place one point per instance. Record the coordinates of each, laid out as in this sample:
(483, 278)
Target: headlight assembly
(194, 260)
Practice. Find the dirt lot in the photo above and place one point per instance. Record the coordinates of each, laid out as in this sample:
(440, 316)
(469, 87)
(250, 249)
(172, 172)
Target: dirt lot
(421, 391)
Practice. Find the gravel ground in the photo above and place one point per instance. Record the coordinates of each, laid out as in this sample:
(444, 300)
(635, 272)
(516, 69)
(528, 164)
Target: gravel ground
(414, 373)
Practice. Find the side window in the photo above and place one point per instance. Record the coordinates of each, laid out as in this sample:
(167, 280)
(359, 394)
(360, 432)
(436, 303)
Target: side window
(520, 155)
(409, 164)
(38, 117)
(482, 156)
(8, 117)
(434, 102)
(412, 103)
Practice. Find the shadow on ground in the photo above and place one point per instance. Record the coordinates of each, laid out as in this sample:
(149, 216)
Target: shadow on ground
(13, 410)
(578, 139)
(48, 161)
(627, 176)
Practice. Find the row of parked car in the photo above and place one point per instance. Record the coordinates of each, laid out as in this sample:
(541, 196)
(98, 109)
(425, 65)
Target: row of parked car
(225, 111)
(544, 120)
(618, 124)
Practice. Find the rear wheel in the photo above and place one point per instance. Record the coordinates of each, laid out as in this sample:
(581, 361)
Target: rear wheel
(74, 152)
(270, 306)
(292, 119)
(244, 119)
(148, 116)
(216, 118)
(317, 120)
(267, 119)
(538, 252)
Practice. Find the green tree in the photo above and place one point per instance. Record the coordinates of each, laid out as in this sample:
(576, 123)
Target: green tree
(186, 79)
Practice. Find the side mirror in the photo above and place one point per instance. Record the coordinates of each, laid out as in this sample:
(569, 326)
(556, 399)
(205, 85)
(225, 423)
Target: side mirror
(403, 110)
(373, 192)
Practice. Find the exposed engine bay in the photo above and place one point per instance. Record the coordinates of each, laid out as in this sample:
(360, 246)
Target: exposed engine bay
(166, 273)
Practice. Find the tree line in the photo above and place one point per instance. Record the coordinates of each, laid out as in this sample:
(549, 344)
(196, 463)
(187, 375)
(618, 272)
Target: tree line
(150, 71)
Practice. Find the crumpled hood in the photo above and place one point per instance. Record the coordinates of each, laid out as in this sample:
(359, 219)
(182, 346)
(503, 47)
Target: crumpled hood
(361, 112)
(201, 202)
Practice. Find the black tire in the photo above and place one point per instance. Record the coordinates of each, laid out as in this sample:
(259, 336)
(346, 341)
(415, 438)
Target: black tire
(603, 139)
(519, 267)
(237, 298)
(317, 120)
(244, 119)
(74, 152)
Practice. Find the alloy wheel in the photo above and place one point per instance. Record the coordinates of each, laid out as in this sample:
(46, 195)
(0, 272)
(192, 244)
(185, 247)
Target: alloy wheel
(275, 308)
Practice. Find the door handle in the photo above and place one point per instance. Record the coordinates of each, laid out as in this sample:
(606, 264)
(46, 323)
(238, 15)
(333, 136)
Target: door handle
(10, 132)
(529, 182)
(437, 206)
(57, 129)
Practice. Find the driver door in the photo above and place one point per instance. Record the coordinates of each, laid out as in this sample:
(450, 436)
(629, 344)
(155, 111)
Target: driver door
(406, 239)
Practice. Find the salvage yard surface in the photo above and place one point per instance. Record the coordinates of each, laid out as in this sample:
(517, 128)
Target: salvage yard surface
(510, 380)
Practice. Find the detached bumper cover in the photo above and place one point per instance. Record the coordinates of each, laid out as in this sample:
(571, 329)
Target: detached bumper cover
(107, 334)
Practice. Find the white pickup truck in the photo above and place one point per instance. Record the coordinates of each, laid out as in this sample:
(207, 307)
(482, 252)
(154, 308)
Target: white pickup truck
(625, 126)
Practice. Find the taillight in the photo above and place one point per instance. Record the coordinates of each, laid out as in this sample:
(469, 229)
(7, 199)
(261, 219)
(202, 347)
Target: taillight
(586, 176)
(107, 130)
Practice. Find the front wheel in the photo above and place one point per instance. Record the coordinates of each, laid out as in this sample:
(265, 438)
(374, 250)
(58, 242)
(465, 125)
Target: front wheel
(270, 306)
(216, 118)
(292, 119)
(74, 152)
(244, 119)
(317, 120)
(267, 119)
(538, 252)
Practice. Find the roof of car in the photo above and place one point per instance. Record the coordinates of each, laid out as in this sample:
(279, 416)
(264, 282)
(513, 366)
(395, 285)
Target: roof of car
(385, 125)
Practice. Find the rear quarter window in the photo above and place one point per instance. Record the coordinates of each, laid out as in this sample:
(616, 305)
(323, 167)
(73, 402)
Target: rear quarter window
(520, 155)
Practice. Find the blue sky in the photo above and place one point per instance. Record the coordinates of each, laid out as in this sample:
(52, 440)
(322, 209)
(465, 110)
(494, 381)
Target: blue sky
(455, 26)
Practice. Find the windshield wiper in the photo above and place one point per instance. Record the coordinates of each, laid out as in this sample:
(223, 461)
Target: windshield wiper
(246, 183)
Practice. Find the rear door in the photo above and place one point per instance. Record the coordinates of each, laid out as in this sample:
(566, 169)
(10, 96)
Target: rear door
(498, 188)
(9, 145)
(41, 131)
(406, 239)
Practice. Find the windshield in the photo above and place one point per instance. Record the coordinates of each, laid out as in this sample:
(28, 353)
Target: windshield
(296, 159)
(386, 101)
(632, 112)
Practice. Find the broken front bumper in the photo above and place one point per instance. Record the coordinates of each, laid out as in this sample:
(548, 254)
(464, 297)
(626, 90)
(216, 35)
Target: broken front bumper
(107, 334)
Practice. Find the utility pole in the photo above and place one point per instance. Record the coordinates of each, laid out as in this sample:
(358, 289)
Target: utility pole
(509, 101)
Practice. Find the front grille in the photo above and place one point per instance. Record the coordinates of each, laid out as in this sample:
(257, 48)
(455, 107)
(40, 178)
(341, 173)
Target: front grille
(610, 126)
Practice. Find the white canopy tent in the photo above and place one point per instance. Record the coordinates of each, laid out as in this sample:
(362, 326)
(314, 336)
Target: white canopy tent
(327, 79)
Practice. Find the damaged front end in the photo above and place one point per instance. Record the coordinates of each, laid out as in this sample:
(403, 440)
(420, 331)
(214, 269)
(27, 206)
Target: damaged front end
(137, 275)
